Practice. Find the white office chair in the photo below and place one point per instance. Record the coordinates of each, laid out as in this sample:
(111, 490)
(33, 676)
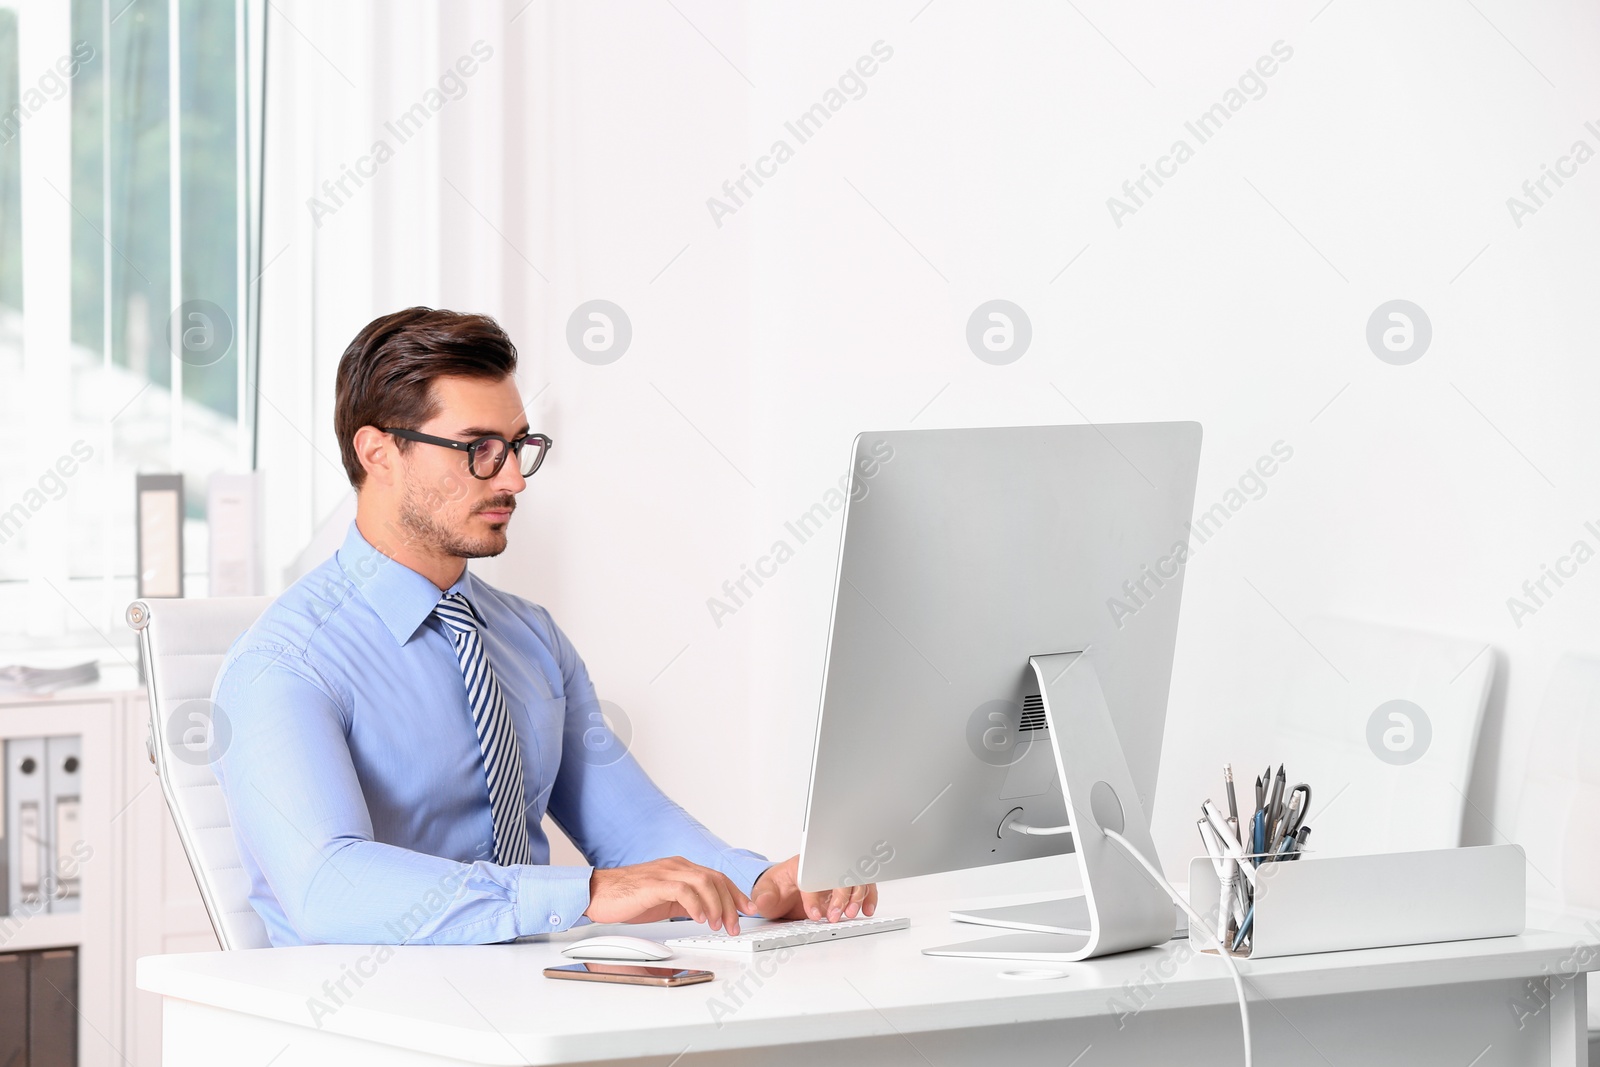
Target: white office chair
(1360, 803)
(1558, 815)
(183, 643)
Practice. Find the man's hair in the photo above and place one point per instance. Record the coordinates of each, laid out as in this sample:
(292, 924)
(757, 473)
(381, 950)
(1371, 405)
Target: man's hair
(386, 375)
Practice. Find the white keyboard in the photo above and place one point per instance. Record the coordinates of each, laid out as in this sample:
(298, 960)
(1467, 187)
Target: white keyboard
(782, 935)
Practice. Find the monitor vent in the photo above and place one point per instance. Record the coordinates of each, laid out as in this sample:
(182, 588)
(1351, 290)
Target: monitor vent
(1033, 720)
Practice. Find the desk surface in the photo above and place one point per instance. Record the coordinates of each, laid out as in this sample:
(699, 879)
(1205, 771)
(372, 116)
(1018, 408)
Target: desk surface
(491, 1004)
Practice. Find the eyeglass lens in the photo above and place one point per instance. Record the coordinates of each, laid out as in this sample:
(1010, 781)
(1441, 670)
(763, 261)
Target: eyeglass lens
(487, 457)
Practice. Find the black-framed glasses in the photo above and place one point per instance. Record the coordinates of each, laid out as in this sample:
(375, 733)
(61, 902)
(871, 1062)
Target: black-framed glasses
(486, 455)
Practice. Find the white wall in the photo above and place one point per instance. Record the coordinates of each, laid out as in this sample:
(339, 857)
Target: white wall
(977, 165)
(628, 526)
(1423, 495)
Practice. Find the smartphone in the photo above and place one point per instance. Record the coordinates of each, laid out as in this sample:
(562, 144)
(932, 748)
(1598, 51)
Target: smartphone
(628, 974)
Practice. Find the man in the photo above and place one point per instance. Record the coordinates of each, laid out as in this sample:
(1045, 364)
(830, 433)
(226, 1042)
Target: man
(393, 729)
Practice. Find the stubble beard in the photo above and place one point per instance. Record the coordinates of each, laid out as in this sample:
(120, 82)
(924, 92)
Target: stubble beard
(424, 530)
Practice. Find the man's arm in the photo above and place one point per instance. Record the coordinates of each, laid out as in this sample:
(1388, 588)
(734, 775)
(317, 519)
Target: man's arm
(613, 812)
(296, 806)
(609, 806)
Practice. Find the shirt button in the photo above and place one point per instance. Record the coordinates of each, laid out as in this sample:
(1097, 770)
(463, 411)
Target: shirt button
(555, 920)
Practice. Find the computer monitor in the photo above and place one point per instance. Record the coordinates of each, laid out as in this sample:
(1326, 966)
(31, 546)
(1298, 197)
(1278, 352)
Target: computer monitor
(964, 552)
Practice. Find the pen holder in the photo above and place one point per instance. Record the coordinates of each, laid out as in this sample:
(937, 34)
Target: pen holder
(1334, 903)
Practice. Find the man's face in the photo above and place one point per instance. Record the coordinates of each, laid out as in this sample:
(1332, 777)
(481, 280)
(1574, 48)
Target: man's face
(443, 508)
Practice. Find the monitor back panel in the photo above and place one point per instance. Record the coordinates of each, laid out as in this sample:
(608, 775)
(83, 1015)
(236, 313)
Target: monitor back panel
(963, 552)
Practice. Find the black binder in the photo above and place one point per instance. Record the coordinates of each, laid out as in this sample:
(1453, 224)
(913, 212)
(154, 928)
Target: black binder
(52, 1008)
(13, 1008)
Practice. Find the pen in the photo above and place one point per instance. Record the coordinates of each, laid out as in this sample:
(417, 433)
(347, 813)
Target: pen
(1282, 828)
(1258, 833)
(1228, 895)
(1213, 847)
(1233, 804)
(1288, 823)
(1241, 886)
(1250, 916)
(1300, 842)
(1275, 799)
(1230, 842)
(1229, 838)
(1230, 875)
(1244, 928)
(1302, 794)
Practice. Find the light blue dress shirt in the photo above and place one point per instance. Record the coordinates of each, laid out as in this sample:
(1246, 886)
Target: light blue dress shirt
(345, 748)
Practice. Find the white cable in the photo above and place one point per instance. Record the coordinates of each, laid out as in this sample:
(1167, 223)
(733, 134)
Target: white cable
(1037, 831)
(1199, 924)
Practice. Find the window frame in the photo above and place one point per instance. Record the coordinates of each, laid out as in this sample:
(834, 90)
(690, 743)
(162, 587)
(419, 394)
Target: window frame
(63, 599)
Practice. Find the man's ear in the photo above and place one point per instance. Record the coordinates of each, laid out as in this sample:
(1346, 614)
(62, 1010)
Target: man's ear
(378, 455)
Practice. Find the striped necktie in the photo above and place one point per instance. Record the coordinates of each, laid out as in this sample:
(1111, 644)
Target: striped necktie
(497, 738)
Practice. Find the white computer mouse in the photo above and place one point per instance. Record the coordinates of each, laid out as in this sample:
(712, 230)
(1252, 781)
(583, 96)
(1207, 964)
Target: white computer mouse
(617, 947)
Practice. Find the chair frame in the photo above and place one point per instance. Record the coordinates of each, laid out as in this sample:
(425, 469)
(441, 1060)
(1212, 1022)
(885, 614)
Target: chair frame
(139, 616)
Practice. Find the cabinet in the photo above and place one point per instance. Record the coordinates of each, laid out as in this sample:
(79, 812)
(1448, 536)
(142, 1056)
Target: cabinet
(138, 896)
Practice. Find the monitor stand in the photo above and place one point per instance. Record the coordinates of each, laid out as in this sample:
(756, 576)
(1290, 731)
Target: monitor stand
(1055, 915)
(1121, 907)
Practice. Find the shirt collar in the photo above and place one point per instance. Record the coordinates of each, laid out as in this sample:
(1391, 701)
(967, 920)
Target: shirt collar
(402, 598)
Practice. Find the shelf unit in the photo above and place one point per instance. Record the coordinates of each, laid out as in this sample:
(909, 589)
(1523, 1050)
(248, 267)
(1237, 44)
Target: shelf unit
(138, 896)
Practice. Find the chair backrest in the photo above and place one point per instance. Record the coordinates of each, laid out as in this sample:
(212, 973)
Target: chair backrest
(183, 643)
(1385, 777)
(1558, 814)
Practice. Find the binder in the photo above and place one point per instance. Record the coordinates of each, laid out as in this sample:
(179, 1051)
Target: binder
(52, 1015)
(5, 845)
(158, 537)
(233, 513)
(63, 834)
(13, 1008)
(25, 824)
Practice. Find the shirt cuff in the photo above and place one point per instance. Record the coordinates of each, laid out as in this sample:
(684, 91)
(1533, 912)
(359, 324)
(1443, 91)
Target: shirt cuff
(551, 898)
(743, 868)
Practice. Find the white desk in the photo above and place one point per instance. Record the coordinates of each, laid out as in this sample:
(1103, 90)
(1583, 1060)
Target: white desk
(875, 1000)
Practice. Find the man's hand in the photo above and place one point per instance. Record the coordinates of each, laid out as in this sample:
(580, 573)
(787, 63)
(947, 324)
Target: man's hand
(777, 896)
(662, 889)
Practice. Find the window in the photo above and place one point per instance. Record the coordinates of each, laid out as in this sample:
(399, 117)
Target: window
(128, 142)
